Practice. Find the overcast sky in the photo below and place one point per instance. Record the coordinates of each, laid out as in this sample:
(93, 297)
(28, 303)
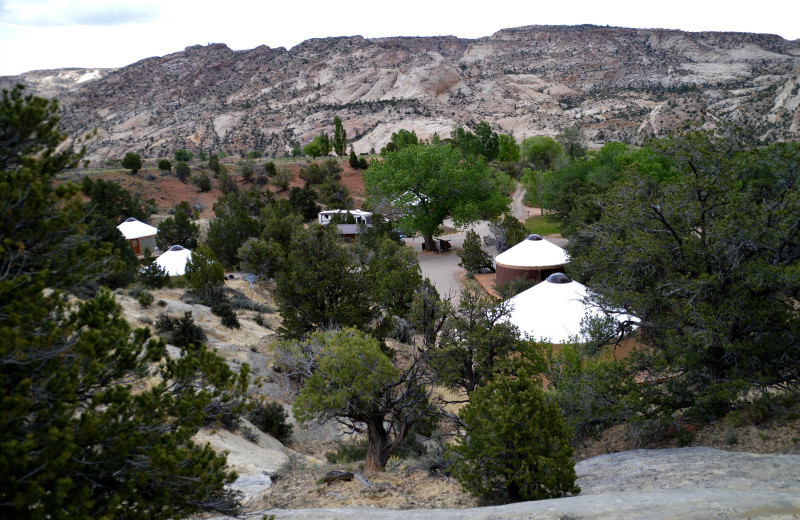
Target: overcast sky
(47, 34)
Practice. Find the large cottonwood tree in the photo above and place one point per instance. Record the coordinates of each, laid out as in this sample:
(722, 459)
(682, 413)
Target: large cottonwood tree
(428, 184)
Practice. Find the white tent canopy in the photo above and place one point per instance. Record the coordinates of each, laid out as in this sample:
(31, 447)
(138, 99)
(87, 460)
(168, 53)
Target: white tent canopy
(552, 310)
(133, 229)
(174, 260)
(533, 252)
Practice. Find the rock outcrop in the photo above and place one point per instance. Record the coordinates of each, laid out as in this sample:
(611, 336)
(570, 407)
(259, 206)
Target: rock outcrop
(687, 483)
(616, 83)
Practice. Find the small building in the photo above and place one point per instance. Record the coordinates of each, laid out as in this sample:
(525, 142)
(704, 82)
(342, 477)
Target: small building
(141, 236)
(174, 260)
(348, 232)
(364, 217)
(553, 310)
(533, 259)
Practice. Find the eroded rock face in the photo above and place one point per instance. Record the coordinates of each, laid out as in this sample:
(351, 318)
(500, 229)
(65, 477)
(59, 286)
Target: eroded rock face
(618, 84)
(688, 483)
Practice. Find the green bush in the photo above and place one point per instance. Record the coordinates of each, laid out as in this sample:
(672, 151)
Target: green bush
(517, 445)
(152, 275)
(145, 299)
(227, 314)
(203, 182)
(271, 418)
(473, 258)
(181, 332)
(348, 452)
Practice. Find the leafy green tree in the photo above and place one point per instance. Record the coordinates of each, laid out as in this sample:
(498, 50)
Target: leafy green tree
(339, 137)
(235, 220)
(132, 161)
(202, 181)
(589, 388)
(334, 194)
(393, 277)
(572, 141)
(312, 149)
(304, 201)
(516, 446)
(477, 343)
(77, 441)
(203, 270)
(114, 203)
(313, 173)
(152, 275)
(247, 169)
(355, 383)
(270, 170)
(540, 151)
(353, 159)
(164, 165)
(707, 262)
(403, 139)
(507, 148)
(261, 257)
(281, 179)
(431, 183)
(320, 146)
(227, 184)
(473, 258)
(483, 142)
(572, 191)
(279, 222)
(319, 285)
(177, 229)
(183, 171)
(183, 155)
(254, 154)
(214, 165)
(295, 151)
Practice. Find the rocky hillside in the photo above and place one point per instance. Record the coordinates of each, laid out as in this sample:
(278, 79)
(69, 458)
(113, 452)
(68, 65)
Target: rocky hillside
(623, 84)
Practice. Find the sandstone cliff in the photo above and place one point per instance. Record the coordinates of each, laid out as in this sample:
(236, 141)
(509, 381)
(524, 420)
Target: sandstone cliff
(618, 84)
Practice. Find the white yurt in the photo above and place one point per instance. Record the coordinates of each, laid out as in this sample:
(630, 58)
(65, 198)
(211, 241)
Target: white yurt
(140, 235)
(174, 260)
(534, 259)
(552, 310)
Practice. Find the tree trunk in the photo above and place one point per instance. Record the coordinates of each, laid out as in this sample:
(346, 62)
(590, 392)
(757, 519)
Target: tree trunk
(377, 453)
(430, 245)
(380, 446)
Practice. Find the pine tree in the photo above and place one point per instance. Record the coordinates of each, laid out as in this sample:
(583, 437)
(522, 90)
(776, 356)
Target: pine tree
(78, 441)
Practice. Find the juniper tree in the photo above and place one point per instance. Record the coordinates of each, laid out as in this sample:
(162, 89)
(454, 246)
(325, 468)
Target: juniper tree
(97, 420)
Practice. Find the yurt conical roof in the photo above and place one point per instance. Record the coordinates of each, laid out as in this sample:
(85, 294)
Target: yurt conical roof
(174, 260)
(133, 228)
(552, 310)
(533, 252)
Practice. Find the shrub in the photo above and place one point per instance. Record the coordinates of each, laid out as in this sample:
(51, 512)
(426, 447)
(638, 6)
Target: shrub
(86, 185)
(203, 182)
(517, 445)
(401, 330)
(152, 275)
(132, 162)
(271, 418)
(182, 171)
(181, 332)
(146, 299)
(348, 452)
(164, 165)
(473, 258)
(227, 314)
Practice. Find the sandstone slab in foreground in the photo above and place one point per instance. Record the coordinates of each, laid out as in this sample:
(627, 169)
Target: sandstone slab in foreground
(685, 483)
